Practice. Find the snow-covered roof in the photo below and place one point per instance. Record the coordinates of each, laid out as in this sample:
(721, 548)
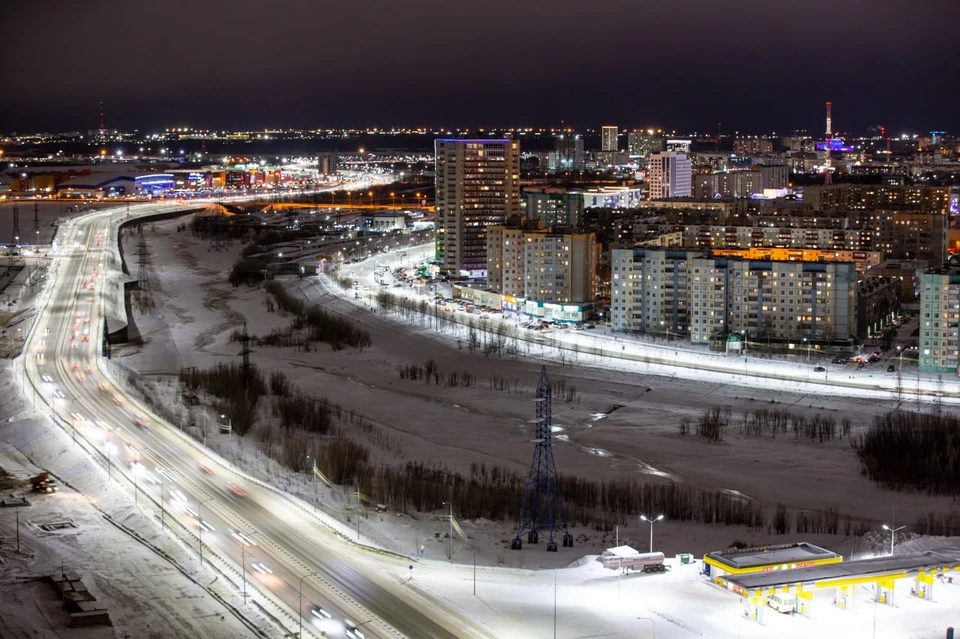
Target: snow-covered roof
(621, 551)
(863, 567)
(771, 555)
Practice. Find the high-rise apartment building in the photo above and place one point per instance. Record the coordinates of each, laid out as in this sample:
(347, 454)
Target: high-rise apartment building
(870, 197)
(752, 145)
(542, 266)
(609, 138)
(644, 143)
(669, 175)
(685, 293)
(569, 150)
(939, 317)
(726, 185)
(477, 186)
(553, 207)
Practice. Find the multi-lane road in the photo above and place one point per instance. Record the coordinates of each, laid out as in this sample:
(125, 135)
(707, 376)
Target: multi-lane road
(240, 520)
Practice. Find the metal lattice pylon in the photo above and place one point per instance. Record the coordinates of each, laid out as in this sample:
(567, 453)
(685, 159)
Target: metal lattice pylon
(542, 509)
(16, 253)
(144, 292)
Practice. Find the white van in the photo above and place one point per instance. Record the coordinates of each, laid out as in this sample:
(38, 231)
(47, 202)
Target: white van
(783, 602)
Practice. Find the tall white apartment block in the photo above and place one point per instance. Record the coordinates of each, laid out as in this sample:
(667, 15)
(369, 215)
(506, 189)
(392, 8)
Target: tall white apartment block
(541, 266)
(939, 317)
(608, 138)
(670, 174)
(663, 291)
(477, 186)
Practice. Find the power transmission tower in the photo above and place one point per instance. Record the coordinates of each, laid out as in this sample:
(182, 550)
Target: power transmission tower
(245, 354)
(17, 255)
(542, 508)
(217, 242)
(144, 293)
(36, 222)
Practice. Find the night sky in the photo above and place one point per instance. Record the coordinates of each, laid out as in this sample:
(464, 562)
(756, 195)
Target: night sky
(755, 65)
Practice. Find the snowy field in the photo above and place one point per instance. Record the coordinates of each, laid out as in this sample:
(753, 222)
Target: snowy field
(621, 420)
(148, 594)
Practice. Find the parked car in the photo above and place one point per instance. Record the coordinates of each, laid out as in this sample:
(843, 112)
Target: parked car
(819, 369)
(891, 368)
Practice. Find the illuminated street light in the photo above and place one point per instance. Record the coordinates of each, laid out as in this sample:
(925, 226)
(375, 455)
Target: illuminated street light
(651, 522)
(893, 533)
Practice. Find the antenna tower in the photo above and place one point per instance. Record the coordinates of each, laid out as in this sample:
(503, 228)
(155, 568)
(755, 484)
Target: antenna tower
(542, 508)
(144, 294)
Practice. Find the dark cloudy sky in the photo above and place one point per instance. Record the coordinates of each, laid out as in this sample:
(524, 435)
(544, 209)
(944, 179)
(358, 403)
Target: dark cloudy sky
(756, 65)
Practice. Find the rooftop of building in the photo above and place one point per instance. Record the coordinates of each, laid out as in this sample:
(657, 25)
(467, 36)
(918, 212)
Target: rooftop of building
(771, 555)
(861, 568)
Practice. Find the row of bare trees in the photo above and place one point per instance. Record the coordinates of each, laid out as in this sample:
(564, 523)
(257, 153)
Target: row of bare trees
(714, 423)
(912, 451)
(316, 324)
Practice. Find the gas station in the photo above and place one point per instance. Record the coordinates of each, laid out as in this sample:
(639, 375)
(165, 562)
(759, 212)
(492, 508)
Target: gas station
(800, 570)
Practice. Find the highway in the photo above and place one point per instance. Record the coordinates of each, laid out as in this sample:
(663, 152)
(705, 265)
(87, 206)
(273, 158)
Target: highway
(279, 545)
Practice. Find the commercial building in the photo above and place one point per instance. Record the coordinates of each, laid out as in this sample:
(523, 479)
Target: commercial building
(717, 565)
(553, 207)
(384, 222)
(939, 316)
(477, 186)
(612, 197)
(685, 293)
(669, 175)
(878, 301)
(609, 138)
(538, 265)
(123, 185)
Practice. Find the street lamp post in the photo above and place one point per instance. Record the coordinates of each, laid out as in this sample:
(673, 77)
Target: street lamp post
(893, 533)
(653, 628)
(229, 428)
(651, 522)
(300, 608)
(450, 534)
(200, 525)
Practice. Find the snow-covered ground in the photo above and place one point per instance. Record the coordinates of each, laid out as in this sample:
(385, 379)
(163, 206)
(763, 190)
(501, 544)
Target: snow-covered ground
(622, 420)
(152, 585)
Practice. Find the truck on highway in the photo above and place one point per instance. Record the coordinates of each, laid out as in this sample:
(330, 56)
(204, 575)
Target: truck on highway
(631, 559)
(43, 483)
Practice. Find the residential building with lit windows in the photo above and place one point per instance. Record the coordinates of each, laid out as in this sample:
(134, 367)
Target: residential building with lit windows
(869, 197)
(686, 293)
(609, 138)
(643, 143)
(535, 264)
(477, 186)
(669, 174)
(939, 317)
(553, 206)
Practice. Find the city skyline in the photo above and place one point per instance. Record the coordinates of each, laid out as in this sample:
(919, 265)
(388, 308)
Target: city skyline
(694, 64)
